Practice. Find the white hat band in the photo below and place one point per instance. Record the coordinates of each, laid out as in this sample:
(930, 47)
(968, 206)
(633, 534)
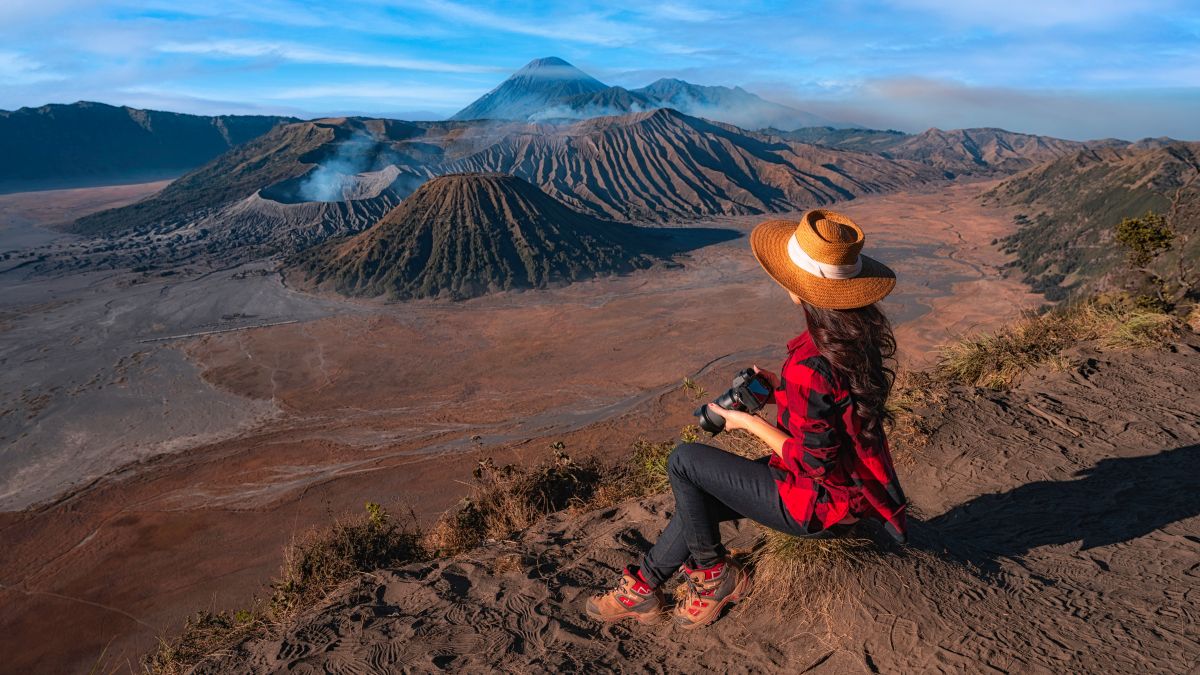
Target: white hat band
(820, 269)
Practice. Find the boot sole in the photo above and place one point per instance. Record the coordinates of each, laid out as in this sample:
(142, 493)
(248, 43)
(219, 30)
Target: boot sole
(740, 590)
(647, 619)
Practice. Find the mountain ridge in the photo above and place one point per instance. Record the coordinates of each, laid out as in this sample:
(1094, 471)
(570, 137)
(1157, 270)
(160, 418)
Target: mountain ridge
(988, 151)
(62, 144)
(1065, 245)
(550, 89)
(466, 234)
(613, 168)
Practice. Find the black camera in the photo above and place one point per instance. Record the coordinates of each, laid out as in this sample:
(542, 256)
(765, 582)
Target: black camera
(749, 393)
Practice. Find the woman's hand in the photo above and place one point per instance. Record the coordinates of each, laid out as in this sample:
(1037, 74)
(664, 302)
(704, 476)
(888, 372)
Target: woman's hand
(771, 377)
(734, 419)
(766, 432)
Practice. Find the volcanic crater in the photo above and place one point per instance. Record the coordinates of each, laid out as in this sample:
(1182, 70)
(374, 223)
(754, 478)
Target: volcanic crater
(463, 235)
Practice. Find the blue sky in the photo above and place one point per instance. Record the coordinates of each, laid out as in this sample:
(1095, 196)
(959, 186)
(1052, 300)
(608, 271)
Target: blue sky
(1125, 68)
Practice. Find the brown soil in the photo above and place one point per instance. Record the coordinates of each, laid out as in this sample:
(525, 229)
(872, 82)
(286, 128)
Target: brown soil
(382, 403)
(53, 207)
(1058, 533)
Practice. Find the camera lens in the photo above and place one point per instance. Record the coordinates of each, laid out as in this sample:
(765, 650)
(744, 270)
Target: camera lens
(728, 400)
(710, 421)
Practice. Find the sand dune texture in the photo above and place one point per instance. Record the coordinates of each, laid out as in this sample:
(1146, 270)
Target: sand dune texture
(1056, 531)
(466, 234)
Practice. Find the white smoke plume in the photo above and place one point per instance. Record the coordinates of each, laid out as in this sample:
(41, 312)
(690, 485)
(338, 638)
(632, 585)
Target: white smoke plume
(336, 178)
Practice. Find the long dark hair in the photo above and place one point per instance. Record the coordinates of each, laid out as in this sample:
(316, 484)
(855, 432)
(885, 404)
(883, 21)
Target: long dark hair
(859, 344)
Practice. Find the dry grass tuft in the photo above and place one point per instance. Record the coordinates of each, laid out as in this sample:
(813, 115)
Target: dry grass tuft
(915, 396)
(1142, 329)
(507, 499)
(503, 564)
(314, 565)
(322, 560)
(644, 474)
(203, 634)
(995, 361)
(794, 572)
(1193, 318)
(741, 443)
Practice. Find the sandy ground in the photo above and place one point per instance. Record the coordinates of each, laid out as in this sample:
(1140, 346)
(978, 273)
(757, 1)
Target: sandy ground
(363, 401)
(54, 207)
(1058, 531)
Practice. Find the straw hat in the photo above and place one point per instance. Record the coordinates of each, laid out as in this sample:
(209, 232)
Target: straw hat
(819, 260)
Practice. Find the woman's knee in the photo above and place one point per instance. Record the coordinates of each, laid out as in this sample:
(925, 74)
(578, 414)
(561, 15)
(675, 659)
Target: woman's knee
(683, 457)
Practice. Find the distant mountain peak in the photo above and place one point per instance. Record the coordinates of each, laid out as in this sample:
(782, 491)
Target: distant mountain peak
(554, 68)
(541, 84)
(550, 88)
(547, 62)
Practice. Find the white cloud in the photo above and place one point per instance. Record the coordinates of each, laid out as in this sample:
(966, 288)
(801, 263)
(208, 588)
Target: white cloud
(1017, 14)
(915, 104)
(302, 54)
(376, 92)
(16, 68)
(19, 11)
(589, 27)
(674, 11)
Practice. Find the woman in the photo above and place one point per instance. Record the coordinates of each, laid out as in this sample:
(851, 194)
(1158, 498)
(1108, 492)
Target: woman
(830, 464)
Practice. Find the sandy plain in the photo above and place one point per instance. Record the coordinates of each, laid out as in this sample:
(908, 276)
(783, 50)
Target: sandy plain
(145, 480)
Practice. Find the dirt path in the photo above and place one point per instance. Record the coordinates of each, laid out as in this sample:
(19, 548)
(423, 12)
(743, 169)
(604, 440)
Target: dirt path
(1060, 532)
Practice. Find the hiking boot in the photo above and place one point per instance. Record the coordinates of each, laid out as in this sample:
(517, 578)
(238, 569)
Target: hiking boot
(709, 589)
(633, 598)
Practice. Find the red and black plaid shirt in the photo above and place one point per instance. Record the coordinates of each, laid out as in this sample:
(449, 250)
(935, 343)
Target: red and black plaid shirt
(827, 470)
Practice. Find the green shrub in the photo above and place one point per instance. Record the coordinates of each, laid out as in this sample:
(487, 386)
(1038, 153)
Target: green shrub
(1145, 237)
(204, 633)
(507, 499)
(321, 560)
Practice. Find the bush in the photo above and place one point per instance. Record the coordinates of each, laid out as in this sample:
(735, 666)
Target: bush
(314, 565)
(1145, 237)
(646, 471)
(994, 361)
(507, 499)
(786, 567)
(203, 634)
(322, 560)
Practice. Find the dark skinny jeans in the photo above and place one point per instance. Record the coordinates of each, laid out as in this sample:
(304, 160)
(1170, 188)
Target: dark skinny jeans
(712, 486)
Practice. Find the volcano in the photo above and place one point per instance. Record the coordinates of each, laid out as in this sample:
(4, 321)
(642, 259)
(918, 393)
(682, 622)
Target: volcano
(540, 84)
(463, 235)
(552, 89)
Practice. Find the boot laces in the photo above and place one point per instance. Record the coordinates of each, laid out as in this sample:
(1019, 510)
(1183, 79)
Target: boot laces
(621, 586)
(694, 592)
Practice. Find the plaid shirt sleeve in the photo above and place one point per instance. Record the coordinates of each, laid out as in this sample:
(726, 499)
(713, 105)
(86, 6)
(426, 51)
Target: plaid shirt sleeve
(814, 407)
